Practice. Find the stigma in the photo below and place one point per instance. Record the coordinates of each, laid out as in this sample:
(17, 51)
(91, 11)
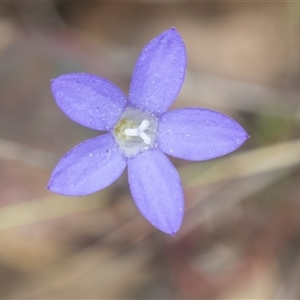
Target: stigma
(135, 132)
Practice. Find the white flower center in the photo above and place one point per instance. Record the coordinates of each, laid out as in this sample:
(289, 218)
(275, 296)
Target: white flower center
(135, 132)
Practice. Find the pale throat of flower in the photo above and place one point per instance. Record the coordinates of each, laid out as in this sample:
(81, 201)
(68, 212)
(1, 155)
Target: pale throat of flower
(135, 132)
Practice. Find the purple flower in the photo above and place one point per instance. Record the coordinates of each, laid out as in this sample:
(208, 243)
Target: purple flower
(139, 132)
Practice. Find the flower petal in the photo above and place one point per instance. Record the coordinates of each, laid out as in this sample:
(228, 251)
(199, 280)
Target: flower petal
(198, 134)
(88, 167)
(156, 189)
(89, 100)
(159, 73)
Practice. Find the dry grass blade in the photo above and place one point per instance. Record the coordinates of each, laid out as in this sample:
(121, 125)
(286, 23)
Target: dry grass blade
(257, 161)
(47, 208)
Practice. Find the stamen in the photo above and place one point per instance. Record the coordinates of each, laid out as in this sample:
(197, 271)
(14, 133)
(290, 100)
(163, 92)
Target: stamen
(131, 132)
(145, 137)
(144, 125)
(140, 131)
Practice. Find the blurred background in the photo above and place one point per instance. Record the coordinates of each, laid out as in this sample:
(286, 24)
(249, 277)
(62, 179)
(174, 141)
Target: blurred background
(240, 237)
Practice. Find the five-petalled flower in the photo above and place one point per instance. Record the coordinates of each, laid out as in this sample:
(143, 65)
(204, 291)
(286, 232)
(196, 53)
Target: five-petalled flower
(140, 132)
